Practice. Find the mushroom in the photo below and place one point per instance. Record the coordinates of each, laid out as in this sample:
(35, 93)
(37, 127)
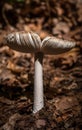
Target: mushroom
(31, 43)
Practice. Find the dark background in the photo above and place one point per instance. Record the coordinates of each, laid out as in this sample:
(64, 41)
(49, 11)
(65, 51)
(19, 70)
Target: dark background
(62, 73)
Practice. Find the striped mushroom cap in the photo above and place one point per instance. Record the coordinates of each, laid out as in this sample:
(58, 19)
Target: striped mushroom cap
(24, 42)
(31, 43)
(52, 45)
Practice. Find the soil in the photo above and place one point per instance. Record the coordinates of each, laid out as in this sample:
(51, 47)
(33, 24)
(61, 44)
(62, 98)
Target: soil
(62, 73)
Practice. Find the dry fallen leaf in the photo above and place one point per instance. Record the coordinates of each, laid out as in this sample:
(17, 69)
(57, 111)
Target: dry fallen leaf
(40, 123)
(14, 68)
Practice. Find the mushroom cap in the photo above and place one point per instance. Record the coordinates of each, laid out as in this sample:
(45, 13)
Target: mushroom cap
(24, 42)
(31, 43)
(52, 45)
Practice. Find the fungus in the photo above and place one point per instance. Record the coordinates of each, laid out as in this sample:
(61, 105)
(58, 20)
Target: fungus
(31, 43)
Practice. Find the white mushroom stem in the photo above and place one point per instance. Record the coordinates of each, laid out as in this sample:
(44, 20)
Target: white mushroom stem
(38, 83)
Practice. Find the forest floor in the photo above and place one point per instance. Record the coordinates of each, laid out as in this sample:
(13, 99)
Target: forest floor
(62, 73)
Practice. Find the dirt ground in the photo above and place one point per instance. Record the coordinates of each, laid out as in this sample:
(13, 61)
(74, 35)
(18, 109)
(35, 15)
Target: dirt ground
(62, 73)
